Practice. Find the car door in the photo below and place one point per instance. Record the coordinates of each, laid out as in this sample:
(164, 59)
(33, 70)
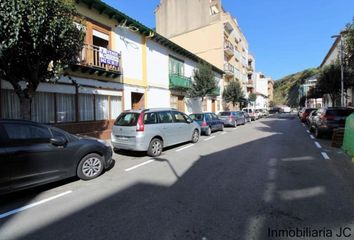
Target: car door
(34, 160)
(168, 128)
(5, 180)
(210, 121)
(181, 126)
(218, 122)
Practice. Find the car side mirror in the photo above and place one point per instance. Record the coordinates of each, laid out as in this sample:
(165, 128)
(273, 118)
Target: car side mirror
(58, 141)
(189, 120)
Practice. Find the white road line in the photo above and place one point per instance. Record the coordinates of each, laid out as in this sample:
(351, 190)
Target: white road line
(180, 149)
(209, 138)
(139, 165)
(318, 145)
(325, 155)
(307, 131)
(312, 137)
(17, 210)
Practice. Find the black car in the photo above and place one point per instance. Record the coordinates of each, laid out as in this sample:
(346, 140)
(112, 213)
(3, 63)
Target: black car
(328, 119)
(33, 154)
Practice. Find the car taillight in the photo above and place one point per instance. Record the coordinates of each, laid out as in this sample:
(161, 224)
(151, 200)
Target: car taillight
(140, 123)
(204, 124)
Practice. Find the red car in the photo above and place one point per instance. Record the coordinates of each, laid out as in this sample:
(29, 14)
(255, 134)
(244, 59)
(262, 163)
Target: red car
(305, 114)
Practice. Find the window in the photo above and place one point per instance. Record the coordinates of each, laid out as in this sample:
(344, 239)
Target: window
(57, 133)
(102, 107)
(214, 116)
(116, 106)
(10, 104)
(165, 117)
(150, 118)
(179, 117)
(24, 131)
(176, 66)
(86, 107)
(208, 117)
(197, 117)
(127, 119)
(43, 107)
(65, 107)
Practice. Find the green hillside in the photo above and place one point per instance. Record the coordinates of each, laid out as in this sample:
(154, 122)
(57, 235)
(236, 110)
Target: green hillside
(286, 89)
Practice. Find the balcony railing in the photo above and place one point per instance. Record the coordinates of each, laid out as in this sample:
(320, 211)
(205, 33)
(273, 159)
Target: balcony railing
(216, 92)
(228, 48)
(229, 69)
(100, 58)
(180, 82)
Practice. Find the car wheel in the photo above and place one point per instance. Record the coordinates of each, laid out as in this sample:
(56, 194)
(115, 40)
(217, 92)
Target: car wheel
(90, 166)
(208, 131)
(317, 133)
(155, 147)
(195, 136)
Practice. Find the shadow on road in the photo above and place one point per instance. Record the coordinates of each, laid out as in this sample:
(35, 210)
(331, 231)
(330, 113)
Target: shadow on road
(224, 195)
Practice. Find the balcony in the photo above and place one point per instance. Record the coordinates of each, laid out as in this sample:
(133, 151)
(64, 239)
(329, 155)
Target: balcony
(229, 70)
(99, 60)
(250, 84)
(180, 82)
(228, 48)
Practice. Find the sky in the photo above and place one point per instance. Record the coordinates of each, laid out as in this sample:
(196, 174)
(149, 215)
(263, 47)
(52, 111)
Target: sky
(285, 36)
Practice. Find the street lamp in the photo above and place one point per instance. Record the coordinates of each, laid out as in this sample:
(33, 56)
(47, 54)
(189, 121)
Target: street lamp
(341, 67)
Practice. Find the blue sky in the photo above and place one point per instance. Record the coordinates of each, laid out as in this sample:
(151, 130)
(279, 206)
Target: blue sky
(285, 36)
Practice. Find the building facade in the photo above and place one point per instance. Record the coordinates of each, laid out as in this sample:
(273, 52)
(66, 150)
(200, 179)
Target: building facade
(206, 29)
(123, 65)
(263, 91)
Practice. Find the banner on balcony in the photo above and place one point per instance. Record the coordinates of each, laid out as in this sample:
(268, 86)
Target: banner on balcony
(109, 57)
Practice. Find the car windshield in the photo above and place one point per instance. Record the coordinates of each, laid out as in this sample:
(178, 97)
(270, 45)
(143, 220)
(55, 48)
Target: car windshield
(223, 114)
(127, 119)
(197, 117)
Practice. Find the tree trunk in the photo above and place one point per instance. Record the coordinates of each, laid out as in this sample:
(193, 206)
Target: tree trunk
(25, 107)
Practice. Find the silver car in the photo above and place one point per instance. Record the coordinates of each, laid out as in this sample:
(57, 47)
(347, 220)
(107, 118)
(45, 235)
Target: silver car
(153, 129)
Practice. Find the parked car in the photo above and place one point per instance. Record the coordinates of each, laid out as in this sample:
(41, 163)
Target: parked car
(247, 117)
(251, 112)
(208, 122)
(329, 119)
(310, 119)
(153, 129)
(305, 114)
(232, 118)
(33, 154)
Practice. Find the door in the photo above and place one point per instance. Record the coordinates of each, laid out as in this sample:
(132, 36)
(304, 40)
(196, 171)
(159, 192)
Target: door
(217, 121)
(34, 159)
(181, 126)
(180, 103)
(168, 128)
(137, 100)
(213, 106)
(210, 121)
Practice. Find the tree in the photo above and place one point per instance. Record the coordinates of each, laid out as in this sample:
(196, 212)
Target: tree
(204, 81)
(233, 93)
(349, 45)
(329, 81)
(38, 38)
(252, 97)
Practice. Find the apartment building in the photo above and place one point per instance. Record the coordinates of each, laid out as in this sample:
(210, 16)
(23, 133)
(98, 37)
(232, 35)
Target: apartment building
(331, 57)
(206, 29)
(263, 90)
(123, 65)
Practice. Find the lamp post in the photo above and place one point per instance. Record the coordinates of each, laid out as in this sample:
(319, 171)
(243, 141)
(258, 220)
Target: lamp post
(341, 66)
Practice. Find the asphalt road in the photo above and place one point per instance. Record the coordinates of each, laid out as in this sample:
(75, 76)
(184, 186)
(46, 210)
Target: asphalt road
(260, 181)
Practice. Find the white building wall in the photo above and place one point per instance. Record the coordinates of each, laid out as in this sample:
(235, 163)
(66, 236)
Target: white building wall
(158, 98)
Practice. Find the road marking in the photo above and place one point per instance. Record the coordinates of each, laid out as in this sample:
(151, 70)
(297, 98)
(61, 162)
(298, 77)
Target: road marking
(312, 137)
(209, 138)
(318, 145)
(180, 149)
(325, 155)
(307, 131)
(139, 165)
(269, 192)
(305, 158)
(17, 210)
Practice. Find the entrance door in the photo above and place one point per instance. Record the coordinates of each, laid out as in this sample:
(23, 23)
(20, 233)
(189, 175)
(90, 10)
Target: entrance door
(180, 103)
(213, 106)
(137, 100)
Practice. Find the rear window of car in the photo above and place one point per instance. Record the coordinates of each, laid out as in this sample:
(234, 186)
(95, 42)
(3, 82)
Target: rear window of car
(196, 117)
(309, 110)
(339, 112)
(224, 114)
(127, 119)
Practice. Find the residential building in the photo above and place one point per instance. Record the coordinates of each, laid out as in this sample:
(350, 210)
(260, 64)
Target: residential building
(270, 89)
(123, 65)
(331, 57)
(306, 90)
(206, 29)
(263, 90)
